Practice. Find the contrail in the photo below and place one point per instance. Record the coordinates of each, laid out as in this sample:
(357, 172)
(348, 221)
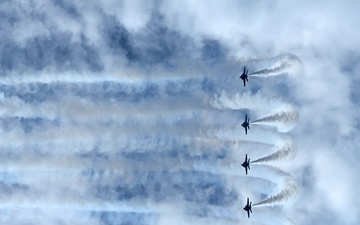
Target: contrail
(284, 121)
(184, 70)
(284, 116)
(288, 189)
(290, 64)
(264, 215)
(287, 193)
(236, 133)
(272, 72)
(286, 151)
(46, 217)
(136, 98)
(248, 100)
(59, 203)
(48, 77)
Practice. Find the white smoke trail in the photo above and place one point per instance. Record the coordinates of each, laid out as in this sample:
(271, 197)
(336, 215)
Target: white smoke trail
(287, 188)
(129, 75)
(236, 133)
(290, 64)
(73, 163)
(286, 194)
(46, 217)
(284, 120)
(285, 151)
(48, 77)
(63, 203)
(247, 101)
(264, 215)
(284, 116)
(80, 110)
(134, 97)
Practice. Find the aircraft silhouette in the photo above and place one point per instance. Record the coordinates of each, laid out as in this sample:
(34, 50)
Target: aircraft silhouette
(246, 164)
(246, 124)
(247, 208)
(244, 76)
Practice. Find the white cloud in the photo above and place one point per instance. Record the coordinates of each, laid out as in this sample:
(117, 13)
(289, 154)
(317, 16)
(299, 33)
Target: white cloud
(321, 33)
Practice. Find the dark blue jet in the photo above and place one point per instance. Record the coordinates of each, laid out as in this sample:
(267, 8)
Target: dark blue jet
(244, 76)
(247, 208)
(246, 164)
(246, 124)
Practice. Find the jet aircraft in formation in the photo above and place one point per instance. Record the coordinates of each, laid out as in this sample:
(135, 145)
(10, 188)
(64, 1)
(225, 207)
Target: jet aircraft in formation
(247, 208)
(244, 76)
(246, 164)
(246, 124)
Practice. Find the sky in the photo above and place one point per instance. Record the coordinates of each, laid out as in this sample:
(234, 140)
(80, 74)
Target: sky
(129, 112)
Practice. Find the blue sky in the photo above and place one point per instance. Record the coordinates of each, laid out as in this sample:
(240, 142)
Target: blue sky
(129, 112)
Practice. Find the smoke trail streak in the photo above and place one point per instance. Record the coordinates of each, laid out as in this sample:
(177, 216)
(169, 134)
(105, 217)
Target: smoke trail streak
(284, 116)
(86, 110)
(48, 78)
(248, 101)
(286, 151)
(53, 100)
(286, 185)
(46, 217)
(127, 75)
(286, 194)
(272, 72)
(79, 205)
(284, 121)
(288, 189)
(290, 64)
(257, 136)
(265, 216)
(75, 164)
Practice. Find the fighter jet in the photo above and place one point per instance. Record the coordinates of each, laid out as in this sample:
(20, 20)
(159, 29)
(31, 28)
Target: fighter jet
(246, 164)
(247, 208)
(246, 124)
(244, 76)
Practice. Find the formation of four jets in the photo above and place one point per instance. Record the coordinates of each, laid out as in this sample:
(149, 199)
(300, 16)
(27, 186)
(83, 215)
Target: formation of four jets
(246, 125)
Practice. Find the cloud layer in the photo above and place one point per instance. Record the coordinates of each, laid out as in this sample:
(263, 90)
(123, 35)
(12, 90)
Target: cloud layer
(126, 102)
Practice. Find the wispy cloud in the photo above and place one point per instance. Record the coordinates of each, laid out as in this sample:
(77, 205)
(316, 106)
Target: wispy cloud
(129, 112)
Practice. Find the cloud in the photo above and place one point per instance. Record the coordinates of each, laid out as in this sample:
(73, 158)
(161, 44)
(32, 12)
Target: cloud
(129, 78)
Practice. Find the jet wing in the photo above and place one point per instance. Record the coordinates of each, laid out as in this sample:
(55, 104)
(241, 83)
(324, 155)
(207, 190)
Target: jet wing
(248, 213)
(245, 130)
(246, 170)
(244, 82)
